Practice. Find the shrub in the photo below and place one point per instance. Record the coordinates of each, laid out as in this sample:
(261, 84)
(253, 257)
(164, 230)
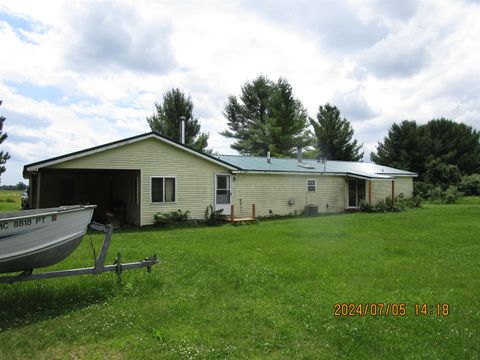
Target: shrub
(415, 202)
(451, 195)
(421, 188)
(172, 217)
(470, 185)
(366, 206)
(441, 174)
(214, 217)
(386, 205)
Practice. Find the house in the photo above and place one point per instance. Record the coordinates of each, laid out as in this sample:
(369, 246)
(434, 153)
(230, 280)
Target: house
(137, 177)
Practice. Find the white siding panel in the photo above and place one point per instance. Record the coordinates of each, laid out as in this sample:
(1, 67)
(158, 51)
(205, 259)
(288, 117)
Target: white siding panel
(273, 192)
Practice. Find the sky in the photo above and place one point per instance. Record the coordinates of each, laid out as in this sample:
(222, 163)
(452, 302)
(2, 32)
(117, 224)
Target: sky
(76, 74)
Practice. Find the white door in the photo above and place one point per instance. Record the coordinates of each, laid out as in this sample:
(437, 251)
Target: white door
(223, 193)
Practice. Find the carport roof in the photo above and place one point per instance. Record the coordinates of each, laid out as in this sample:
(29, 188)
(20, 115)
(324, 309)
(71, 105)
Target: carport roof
(70, 156)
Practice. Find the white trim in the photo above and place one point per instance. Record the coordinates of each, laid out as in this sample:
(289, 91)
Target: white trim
(364, 177)
(122, 143)
(162, 202)
(226, 211)
(314, 185)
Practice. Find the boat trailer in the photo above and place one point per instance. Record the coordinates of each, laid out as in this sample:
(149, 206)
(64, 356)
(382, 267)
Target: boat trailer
(99, 267)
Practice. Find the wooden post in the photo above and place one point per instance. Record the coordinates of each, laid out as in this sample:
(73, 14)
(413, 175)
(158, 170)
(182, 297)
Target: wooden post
(369, 191)
(393, 192)
(231, 213)
(37, 199)
(253, 212)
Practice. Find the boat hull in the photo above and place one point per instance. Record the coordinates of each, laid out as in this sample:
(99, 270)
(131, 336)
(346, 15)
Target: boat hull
(39, 238)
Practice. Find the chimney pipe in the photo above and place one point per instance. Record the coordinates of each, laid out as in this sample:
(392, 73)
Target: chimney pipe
(269, 160)
(299, 154)
(182, 129)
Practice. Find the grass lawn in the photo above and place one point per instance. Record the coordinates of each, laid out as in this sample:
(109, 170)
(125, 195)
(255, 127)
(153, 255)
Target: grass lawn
(264, 291)
(10, 200)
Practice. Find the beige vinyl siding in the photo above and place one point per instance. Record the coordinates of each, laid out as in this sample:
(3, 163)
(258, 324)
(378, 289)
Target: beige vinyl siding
(381, 189)
(404, 185)
(273, 192)
(194, 175)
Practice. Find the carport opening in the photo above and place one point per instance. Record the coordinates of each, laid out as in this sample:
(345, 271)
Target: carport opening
(115, 192)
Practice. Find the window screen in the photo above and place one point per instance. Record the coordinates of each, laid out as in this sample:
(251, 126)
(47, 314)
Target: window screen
(157, 189)
(169, 189)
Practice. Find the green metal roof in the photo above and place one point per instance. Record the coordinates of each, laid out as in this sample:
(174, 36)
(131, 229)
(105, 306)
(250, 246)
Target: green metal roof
(283, 165)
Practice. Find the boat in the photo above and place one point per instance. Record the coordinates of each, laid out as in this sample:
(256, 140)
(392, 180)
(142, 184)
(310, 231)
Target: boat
(38, 238)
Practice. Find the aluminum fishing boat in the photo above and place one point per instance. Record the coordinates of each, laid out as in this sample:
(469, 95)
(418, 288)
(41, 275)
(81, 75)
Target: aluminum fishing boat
(31, 239)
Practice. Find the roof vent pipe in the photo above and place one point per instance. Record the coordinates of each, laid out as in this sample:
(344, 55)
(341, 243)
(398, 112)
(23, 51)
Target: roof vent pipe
(182, 129)
(299, 154)
(269, 160)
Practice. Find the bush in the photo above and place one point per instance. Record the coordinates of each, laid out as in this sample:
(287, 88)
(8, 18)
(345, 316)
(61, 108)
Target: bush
(470, 185)
(421, 189)
(441, 174)
(173, 217)
(386, 205)
(366, 206)
(449, 196)
(214, 217)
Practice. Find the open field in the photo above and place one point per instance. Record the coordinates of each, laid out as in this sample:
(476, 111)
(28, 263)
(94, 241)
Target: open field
(264, 291)
(10, 200)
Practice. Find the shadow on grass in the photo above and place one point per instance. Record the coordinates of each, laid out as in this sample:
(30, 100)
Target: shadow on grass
(25, 304)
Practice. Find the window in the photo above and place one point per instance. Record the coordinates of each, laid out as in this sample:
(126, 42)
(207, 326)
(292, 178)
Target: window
(311, 185)
(163, 189)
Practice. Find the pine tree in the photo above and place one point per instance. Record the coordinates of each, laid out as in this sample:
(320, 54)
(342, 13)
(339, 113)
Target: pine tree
(334, 135)
(166, 119)
(411, 146)
(405, 147)
(266, 117)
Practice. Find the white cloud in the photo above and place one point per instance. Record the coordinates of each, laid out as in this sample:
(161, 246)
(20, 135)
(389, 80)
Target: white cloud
(379, 61)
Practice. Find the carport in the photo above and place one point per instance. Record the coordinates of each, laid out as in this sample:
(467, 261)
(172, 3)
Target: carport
(115, 192)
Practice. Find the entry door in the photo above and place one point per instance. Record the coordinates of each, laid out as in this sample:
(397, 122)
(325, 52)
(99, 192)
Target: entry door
(356, 192)
(222, 193)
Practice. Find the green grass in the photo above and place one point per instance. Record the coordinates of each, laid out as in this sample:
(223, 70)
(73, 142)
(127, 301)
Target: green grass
(10, 200)
(263, 291)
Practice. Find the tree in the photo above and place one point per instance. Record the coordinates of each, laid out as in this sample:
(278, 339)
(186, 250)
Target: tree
(440, 174)
(266, 117)
(454, 144)
(21, 186)
(404, 147)
(166, 119)
(334, 135)
(411, 146)
(3, 156)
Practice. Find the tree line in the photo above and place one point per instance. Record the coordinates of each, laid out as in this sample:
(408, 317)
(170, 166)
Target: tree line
(265, 117)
